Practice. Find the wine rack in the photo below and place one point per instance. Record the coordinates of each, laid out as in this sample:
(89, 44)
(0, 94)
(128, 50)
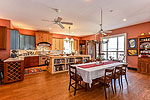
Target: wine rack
(13, 71)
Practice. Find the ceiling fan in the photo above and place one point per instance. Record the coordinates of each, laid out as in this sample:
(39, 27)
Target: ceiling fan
(58, 20)
(101, 31)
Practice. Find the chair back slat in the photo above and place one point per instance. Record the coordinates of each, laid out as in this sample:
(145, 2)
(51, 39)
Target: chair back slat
(109, 73)
(72, 71)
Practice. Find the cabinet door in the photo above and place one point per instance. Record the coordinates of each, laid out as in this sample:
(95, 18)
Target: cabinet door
(27, 42)
(3, 37)
(143, 67)
(15, 40)
(26, 62)
(75, 45)
(32, 42)
(22, 42)
(53, 44)
(148, 68)
(57, 45)
(61, 44)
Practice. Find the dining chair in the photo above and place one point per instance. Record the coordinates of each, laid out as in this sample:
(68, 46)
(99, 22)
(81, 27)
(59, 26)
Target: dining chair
(75, 77)
(79, 62)
(117, 75)
(107, 79)
(88, 61)
(124, 72)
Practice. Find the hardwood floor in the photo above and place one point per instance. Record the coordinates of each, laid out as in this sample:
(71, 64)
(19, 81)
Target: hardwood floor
(43, 86)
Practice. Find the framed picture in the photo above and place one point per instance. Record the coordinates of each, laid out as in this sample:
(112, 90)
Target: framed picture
(132, 43)
(132, 52)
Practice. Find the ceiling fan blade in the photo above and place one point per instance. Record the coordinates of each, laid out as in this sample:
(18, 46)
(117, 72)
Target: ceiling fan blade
(45, 20)
(59, 19)
(67, 23)
(107, 31)
(61, 25)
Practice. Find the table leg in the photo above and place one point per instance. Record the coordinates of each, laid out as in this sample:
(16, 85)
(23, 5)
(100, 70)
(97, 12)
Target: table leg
(86, 86)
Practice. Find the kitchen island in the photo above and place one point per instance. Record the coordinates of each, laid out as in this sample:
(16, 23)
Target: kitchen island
(61, 63)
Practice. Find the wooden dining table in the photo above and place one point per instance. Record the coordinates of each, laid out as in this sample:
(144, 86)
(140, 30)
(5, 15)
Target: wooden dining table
(91, 71)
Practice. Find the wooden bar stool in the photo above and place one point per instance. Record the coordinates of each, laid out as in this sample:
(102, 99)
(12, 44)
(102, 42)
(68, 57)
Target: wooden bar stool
(75, 77)
(107, 79)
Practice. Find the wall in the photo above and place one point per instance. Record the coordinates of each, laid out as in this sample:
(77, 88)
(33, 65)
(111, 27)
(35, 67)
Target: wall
(4, 54)
(132, 31)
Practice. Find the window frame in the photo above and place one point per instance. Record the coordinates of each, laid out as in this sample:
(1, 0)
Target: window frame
(106, 51)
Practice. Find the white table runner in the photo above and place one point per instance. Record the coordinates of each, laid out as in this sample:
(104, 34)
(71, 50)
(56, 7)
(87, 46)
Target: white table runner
(89, 74)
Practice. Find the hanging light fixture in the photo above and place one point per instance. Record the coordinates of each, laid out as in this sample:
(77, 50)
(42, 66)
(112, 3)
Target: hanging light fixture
(68, 39)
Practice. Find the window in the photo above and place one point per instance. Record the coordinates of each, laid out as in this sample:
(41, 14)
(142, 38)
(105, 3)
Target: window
(114, 48)
(67, 47)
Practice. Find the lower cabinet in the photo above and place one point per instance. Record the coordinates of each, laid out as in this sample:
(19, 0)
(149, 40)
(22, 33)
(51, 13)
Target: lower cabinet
(31, 61)
(144, 65)
(13, 71)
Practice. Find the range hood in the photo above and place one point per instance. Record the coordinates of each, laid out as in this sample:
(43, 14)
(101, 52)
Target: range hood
(44, 43)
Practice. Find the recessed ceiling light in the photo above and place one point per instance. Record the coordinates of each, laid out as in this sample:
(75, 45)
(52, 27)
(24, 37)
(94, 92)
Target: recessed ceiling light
(124, 19)
(50, 28)
(111, 10)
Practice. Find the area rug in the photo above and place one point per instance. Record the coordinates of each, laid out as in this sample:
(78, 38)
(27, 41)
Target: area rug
(32, 71)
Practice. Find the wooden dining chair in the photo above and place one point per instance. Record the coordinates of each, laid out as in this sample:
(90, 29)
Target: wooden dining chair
(124, 72)
(75, 77)
(117, 75)
(79, 62)
(88, 61)
(107, 79)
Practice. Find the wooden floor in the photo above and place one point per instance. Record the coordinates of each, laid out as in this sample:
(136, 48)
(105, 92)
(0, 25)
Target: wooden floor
(43, 86)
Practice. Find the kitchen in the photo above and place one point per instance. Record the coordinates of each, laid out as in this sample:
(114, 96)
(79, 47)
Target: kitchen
(40, 51)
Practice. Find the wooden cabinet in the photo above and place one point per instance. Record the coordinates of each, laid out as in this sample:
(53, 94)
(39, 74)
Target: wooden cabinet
(57, 44)
(144, 65)
(61, 44)
(31, 61)
(3, 37)
(53, 44)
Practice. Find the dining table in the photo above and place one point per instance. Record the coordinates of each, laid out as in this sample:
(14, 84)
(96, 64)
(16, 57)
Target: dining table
(92, 70)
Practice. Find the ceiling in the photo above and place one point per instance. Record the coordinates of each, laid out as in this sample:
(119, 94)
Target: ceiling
(85, 14)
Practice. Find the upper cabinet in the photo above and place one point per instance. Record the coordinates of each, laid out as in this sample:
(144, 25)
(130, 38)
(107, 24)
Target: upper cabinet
(22, 42)
(3, 37)
(57, 44)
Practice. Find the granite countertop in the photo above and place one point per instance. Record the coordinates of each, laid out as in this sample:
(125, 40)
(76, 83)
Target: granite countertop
(14, 59)
(20, 58)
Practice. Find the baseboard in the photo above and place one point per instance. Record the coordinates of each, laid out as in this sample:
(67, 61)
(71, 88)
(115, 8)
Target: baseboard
(131, 68)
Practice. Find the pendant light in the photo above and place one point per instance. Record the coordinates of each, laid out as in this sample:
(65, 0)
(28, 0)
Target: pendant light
(68, 39)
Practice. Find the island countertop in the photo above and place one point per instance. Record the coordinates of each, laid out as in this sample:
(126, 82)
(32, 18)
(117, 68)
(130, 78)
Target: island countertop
(71, 56)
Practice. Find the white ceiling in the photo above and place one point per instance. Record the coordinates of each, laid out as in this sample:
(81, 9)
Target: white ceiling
(85, 14)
